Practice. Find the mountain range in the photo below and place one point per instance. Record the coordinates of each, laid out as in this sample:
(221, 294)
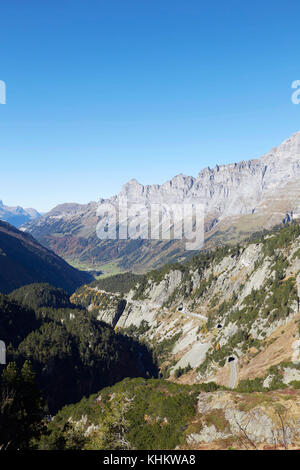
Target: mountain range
(239, 199)
(17, 216)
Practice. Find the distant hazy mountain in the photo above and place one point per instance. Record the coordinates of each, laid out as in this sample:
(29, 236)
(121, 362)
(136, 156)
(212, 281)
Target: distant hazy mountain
(239, 199)
(24, 261)
(17, 216)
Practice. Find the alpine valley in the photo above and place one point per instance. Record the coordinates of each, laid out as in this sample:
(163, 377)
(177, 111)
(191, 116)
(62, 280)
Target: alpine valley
(177, 350)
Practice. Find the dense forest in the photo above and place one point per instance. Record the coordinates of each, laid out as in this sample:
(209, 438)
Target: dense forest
(121, 283)
(144, 414)
(71, 353)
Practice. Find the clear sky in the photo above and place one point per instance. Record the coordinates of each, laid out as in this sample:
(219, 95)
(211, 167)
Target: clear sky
(102, 91)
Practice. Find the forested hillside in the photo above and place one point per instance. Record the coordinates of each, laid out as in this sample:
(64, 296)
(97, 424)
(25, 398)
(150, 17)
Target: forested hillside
(224, 327)
(156, 414)
(72, 353)
(24, 261)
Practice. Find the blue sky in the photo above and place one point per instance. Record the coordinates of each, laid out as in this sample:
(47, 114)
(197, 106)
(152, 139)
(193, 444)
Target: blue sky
(99, 92)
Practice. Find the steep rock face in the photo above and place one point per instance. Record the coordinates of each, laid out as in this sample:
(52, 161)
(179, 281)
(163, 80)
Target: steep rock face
(235, 189)
(153, 300)
(238, 198)
(107, 307)
(240, 302)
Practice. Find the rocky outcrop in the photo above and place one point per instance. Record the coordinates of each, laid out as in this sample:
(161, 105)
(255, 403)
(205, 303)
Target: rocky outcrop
(153, 299)
(251, 420)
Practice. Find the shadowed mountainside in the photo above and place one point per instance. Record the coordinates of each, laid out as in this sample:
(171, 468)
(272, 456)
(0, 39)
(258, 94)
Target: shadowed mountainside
(24, 261)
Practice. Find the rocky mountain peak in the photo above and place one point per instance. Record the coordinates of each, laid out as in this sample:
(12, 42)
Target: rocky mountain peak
(289, 149)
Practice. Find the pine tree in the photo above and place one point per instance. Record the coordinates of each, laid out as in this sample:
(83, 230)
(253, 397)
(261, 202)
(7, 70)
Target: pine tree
(21, 407)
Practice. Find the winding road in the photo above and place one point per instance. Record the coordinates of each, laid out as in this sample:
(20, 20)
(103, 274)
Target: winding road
(191, 314)
(197, 315)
